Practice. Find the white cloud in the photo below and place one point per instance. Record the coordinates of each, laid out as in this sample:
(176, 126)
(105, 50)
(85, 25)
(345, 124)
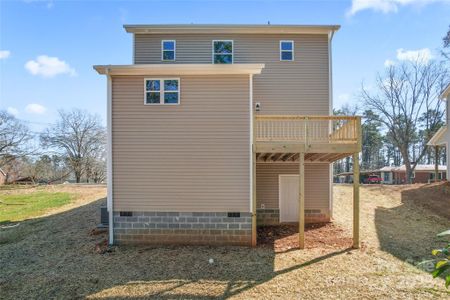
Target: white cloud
(388, 63)
(424, 55)
(4, 54)
(35, 108)
(386, 6)
(12, 110)
(47, 66)
(420, 56)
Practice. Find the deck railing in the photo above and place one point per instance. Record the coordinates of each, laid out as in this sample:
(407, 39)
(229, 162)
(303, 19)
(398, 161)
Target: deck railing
(307, 129)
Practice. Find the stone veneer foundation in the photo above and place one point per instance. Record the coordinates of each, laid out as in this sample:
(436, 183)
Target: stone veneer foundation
(208, 228)
(272, 216)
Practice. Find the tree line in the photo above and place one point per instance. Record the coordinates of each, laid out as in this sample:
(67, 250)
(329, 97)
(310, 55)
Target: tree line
(72, 148)
(402, 112)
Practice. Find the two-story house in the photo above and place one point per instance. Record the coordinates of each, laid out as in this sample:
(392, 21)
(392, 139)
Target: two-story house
(214, 129)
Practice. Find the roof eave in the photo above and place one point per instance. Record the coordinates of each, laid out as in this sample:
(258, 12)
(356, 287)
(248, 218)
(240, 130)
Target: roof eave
(179, 69)
(231, 29)
(438, 139)
(446, 92)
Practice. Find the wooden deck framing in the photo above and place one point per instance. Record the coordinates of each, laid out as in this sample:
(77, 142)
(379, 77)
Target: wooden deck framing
(287, 139)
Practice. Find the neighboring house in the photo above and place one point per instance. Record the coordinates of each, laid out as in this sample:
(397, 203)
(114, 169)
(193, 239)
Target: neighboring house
(421, 174)
(442, 137)
(215, 128)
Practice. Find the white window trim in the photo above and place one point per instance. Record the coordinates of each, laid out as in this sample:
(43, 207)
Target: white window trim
(213, 53)
(161, 90)
(293, 47)
(174, 50)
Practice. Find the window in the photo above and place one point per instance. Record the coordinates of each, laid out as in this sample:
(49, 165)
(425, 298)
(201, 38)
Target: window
(222, 52)
(286, 50)
(168, 49)
(162, 91)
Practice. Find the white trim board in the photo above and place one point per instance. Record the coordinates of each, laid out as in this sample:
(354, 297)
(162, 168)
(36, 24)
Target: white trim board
(179, 69)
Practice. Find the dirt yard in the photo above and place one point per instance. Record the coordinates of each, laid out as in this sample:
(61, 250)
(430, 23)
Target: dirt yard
(55, 256)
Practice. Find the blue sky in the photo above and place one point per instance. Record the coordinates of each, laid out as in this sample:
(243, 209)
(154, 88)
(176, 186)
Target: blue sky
(47, 48)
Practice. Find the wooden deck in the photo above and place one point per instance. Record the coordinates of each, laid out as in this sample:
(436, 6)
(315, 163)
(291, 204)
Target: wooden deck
(280, 138)
(291, 138)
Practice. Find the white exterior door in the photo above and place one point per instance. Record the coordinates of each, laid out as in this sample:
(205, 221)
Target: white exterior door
(288, 197)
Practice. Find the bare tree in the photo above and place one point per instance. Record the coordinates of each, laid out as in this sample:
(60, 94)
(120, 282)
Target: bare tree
(79, 135)
(446, 45)
(96, 166)
(402, 96)
(14, 138)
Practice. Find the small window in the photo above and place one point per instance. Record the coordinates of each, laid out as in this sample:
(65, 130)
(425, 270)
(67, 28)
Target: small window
(168, 48)
(286, 50)
(222, 52)
(162, 91)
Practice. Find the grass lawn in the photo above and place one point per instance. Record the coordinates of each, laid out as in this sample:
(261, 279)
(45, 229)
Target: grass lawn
(56, 257)
(19, 207)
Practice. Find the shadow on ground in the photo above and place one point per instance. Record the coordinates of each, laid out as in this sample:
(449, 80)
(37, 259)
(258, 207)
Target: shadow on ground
(55, 257)
(408, 231)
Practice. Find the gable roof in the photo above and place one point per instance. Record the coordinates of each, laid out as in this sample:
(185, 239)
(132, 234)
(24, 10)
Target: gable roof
(446, 92)
(438, 138)
(230, 28)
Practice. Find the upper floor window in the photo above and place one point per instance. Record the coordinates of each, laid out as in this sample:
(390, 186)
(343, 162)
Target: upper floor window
(162, 91)
(222, 52)
(286, 50)
(168, 49)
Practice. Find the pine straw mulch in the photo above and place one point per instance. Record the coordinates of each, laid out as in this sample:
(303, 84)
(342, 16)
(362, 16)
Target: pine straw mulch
(285, 237)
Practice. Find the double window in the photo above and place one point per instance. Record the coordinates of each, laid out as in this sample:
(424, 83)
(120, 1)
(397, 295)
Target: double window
(286, 50)
(162, 91)
(168, 50)
(222, 52)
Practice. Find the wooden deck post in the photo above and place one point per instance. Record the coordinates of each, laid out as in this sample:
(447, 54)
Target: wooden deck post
(356, 200)
(301, 199)
(254, 229)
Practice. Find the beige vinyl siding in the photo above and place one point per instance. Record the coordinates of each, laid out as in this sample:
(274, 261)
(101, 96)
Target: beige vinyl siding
(317, 184)
(192, 157)
(284, 87)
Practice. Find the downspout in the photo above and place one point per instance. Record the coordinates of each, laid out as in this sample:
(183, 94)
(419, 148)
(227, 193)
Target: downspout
(330, 95)
(109, 171)
(252, 163)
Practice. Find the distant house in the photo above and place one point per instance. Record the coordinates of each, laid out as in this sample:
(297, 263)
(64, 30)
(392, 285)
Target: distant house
(442, 137)
(421, 174)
